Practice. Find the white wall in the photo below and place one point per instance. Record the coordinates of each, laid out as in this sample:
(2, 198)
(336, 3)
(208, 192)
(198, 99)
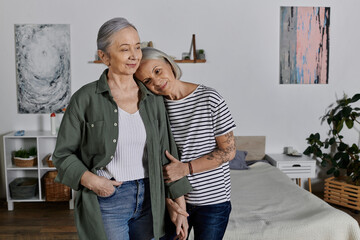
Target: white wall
(241, 40)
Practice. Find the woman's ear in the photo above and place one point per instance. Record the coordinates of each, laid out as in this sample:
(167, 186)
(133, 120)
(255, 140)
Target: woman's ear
(104, 57)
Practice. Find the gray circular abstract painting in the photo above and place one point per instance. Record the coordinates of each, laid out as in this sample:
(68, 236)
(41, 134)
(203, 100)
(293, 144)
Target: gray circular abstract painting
(43, 67)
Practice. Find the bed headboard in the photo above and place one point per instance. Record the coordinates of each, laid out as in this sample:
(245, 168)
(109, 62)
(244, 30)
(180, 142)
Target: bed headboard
(254, 145)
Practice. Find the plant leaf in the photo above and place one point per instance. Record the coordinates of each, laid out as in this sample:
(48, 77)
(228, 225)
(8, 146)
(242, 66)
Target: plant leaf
(330, 171)
(355, 147)
(346, 112)
(308, 151)
(318, 153)
(317, 136)
(344, 162)
(323, 163)
(349, 123)
(337, 156)
(342, 147)
(340, 125)
(355, 98)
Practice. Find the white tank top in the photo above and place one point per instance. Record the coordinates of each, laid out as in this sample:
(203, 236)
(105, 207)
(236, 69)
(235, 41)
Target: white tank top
(130, 158)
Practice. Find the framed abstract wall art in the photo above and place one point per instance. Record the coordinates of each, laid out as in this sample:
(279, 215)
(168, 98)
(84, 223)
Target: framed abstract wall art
(42, 67)
(304, 45)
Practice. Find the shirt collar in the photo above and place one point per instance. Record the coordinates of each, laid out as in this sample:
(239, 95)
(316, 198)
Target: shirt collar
(103, 85)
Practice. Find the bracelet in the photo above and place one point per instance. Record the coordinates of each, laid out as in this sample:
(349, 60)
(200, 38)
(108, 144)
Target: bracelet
(190, 168)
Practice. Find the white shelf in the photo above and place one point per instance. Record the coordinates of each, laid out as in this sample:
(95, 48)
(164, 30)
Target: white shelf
(48, 168)
(45, 144)
(12, 167)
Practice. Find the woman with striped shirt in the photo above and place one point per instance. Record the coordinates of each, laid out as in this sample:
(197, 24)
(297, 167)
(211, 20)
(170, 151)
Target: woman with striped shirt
(202, 127)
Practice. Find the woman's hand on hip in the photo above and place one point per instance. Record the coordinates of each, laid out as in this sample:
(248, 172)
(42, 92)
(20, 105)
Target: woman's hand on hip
(175, 169)
(101, 186)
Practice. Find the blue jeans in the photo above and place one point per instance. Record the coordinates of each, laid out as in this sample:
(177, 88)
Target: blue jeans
(209, 221)
(126, 213)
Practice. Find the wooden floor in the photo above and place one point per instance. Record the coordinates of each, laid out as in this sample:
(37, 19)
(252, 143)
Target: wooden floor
(47, 220)
(43, 220)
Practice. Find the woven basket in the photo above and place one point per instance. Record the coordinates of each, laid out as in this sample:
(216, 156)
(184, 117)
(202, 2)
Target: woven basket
(23, 188)
(49, 160)
(337, 191)
(25, 162)
(55, 192)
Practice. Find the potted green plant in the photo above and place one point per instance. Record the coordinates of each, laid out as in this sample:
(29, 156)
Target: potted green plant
(25, 157)
(340, 157)
(200, 54)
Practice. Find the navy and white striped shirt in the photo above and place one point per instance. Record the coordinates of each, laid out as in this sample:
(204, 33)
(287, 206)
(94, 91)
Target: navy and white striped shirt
(196, 121)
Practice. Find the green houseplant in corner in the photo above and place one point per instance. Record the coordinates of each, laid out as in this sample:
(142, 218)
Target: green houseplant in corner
(340, 157)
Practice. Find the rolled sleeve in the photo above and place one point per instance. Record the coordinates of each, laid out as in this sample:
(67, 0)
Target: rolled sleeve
(178, 188)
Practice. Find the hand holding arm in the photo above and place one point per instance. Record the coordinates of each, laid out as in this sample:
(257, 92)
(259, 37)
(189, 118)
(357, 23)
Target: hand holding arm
(175, 169)
(224, 152)
(100, 185)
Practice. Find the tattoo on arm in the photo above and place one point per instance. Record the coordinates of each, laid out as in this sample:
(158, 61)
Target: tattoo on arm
(221, 155)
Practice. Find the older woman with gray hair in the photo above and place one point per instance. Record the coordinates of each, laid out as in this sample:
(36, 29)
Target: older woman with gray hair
(202, 127)
(111, 148)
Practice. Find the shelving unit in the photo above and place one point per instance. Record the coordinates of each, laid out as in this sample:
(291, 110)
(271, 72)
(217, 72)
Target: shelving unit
(194, 60)
(45, 144)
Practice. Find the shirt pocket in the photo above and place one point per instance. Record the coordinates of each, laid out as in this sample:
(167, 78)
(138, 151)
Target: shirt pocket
(94, 136)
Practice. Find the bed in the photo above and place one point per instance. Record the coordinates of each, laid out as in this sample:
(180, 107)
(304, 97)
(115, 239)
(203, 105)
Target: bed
(268, 205)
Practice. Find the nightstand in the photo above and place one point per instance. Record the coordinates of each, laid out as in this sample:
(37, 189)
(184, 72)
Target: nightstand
(294, 167)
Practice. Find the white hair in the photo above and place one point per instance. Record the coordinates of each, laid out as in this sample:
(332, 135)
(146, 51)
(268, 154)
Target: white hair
(153, 53)
(108, 29)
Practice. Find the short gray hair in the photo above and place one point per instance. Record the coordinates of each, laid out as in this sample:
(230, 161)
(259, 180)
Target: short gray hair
(153, 53)
(108, 29)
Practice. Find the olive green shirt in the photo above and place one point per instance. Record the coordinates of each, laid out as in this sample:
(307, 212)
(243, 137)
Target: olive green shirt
(87, 140)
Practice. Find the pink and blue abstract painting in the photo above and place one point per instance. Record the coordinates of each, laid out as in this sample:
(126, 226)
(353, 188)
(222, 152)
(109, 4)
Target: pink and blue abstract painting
(304, 45)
